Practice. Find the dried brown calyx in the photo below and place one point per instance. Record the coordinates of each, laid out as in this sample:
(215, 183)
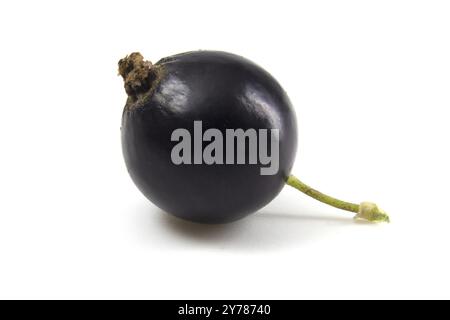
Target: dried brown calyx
(136, 73)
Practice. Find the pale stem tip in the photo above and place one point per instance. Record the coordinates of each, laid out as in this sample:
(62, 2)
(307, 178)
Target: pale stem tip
(370, 212)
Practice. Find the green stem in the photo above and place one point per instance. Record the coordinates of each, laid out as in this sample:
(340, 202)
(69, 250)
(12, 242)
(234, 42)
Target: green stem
(365, 210)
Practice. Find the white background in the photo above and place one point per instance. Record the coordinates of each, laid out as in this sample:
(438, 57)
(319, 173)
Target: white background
(370, 83)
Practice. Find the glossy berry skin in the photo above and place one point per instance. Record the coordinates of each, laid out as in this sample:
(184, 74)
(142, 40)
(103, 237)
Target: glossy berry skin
(223, 91)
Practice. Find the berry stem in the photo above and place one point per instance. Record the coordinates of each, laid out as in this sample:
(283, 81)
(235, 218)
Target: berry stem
(365, 210)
